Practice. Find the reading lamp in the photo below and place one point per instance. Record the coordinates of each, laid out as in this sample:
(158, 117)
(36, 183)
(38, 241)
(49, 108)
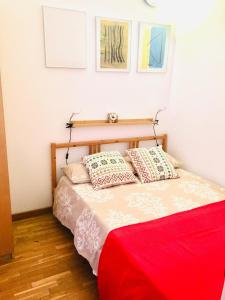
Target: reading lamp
(69, 125)
(156, 122)
(151, 3)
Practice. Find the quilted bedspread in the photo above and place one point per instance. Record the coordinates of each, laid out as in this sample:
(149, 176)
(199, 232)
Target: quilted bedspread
(91, 215)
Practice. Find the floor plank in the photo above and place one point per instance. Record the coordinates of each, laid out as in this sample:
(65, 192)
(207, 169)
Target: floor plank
(45, 264)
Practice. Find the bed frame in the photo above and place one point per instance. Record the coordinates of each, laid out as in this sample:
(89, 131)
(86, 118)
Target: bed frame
(95, 147)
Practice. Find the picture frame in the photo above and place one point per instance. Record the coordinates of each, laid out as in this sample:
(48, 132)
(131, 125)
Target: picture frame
(65, 37)
(153, 48)
(113, 44)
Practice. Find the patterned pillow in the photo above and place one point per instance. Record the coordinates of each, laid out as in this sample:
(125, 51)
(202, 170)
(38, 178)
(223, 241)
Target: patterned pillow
(108, 169)
(176, 163)
(151, 164)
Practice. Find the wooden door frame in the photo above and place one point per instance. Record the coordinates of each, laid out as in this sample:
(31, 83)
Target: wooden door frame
(6, 237)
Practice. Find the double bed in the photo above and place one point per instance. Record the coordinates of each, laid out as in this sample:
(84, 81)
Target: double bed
(93, 215)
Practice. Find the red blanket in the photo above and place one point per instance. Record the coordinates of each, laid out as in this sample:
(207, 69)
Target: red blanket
(179, 257)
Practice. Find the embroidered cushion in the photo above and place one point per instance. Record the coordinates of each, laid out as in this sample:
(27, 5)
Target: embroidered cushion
(78, 173)
(176, 163)
(108, 169)
(151, 164)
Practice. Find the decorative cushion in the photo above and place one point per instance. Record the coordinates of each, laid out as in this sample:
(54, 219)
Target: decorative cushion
(151, 164)
(108, 169)
(77, 173)
(129, 164)
(176, 164)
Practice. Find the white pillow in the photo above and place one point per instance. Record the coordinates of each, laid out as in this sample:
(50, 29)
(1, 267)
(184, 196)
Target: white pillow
(77, 173)
(176, 164)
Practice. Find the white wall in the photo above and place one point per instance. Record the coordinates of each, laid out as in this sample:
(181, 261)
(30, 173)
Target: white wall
(197, 107)
(38, 101)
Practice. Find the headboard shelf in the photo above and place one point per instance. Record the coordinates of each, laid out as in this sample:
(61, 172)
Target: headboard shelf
(94, 146)
(86, 123)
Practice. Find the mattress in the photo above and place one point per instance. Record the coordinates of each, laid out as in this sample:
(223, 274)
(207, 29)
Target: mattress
(91, 215)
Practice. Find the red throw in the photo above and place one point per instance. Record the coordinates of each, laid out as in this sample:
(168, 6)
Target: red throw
(179, 257)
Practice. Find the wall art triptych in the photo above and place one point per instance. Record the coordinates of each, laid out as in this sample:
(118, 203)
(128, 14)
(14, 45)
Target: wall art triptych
(65, 35)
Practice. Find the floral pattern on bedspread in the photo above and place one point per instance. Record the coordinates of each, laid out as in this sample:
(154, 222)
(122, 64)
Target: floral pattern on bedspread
(64, 203)
(202, 190)
(147, 203)
(91, 215)
(116, 218)
(182, 203)
(157, 186)
(87, 232)
(100, 196)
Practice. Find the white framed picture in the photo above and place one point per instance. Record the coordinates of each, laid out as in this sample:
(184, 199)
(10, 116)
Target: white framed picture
(65, 36)
(154, 40)
(113, 40)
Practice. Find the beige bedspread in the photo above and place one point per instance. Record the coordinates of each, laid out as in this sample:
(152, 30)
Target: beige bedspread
(91, 215)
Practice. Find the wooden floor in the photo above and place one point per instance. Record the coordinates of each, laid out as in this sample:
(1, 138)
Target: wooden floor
(45, 264)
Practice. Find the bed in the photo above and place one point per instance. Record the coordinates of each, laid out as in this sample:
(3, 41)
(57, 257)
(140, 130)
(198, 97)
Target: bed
(95, 216)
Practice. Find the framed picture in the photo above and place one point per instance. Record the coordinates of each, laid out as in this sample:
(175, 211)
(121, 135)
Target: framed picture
(113, 39)
(153, 47)
(65, 38)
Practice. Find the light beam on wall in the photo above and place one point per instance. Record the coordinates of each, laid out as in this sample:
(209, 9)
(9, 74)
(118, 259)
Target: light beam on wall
(185, 15)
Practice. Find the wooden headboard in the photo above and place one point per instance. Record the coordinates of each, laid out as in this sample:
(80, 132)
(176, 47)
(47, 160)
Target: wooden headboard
(95, 147)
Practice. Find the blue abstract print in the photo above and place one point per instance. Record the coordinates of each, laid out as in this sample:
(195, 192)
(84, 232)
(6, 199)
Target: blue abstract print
(157, 47)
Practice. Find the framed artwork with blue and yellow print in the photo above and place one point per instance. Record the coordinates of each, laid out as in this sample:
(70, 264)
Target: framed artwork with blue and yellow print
(154, 42)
